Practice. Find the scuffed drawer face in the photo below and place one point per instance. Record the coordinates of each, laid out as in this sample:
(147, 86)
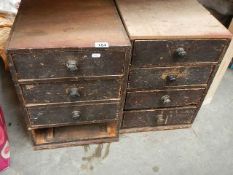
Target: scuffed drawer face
(163, 98)
(156, 78)
(159, 117)
(66, 92)
(45, 65)
(71, 115)
(176, 52)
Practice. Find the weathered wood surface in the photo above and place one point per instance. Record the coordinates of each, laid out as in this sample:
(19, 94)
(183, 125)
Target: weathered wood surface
(53, 64)
(51, 116)
(73, 135)
(74, 143)
(165, 77)
(175, 57)
(158, 128)
(158, 117)
(164, 52)
(67, 24)
(47, 62)
(155, 98)
(155, 19)
(79, 91)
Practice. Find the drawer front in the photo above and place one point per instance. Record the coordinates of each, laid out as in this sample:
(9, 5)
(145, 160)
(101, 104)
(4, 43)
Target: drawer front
(152, 118)
(163, 98)
(46, 65)
(153, 78)
(79, 91)
(162, 53)
(70, 115)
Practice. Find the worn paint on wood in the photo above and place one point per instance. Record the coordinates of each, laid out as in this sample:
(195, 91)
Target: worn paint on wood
(72, 133)
(71, 72)
(75, 91)
(165, 77)
(158, 117)
(53, 64)
(51, 116)
(164, 52)
(154, 99)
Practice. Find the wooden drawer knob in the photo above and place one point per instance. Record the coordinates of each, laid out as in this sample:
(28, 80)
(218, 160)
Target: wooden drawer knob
(76, 115)
(71, 65)
(180, 52)
(171, 78)
(160, 119)
(73, 92)
(166, 99)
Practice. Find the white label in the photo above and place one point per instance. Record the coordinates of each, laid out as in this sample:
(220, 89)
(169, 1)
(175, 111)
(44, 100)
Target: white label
(101, 44)
(96, 55)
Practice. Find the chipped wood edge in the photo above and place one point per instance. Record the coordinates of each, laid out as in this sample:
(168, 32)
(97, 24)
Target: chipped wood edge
(158, 128)
(74, 143)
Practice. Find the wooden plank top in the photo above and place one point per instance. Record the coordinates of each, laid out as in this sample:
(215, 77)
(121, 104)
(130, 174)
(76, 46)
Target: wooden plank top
(161, 19)
(67, 24)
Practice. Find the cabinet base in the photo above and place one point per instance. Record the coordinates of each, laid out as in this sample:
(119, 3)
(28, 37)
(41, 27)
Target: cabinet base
(159, 128)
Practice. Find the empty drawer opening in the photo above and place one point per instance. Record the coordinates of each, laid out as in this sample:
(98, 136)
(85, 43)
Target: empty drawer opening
(74, 133)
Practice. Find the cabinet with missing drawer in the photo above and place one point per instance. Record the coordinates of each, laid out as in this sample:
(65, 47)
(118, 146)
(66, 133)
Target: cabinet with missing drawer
(175, 56)
(71, 75)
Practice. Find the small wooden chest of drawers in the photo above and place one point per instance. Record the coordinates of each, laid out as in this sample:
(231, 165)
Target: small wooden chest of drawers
(69, 61)
(176, 53)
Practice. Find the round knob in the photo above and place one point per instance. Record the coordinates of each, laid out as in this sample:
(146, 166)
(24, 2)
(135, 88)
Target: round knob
(166, 99)
(73, 92)
(160, 119)
(75, 115)
(180, 52)
(71, 65)
(171, 78)
(35, 118)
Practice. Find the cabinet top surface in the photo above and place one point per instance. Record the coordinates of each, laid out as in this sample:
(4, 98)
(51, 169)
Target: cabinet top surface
(161, 19)
(67, 24)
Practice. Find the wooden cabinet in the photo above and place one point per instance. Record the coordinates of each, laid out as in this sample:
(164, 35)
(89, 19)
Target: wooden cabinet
(176, 54)
(69, 62)
(80, 83)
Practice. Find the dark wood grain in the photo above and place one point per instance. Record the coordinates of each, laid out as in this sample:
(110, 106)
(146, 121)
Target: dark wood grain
(42, 117)
(158, 117)
(153, 99)
(52, 64)
(60, 92)
(41, 45)
(162, 52)
(164, 77)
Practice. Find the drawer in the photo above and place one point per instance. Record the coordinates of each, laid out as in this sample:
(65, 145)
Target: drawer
(158, 117)
(71, 115)
(74, 135)
(55, 64)
(79, 91)
(153, 78)
(163, 98)
(176, 52)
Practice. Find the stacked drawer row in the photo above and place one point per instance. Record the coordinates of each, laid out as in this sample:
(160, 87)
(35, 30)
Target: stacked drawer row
(72, 96)
(168, 80)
